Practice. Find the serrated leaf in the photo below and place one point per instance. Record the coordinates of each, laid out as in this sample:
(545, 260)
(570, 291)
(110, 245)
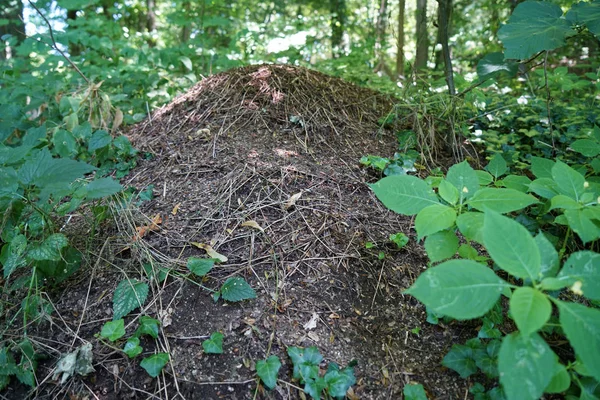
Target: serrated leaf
(155, 363)
(113, 330)
(461, 359)
(534, 26)
(494, 64)
(99, 140)
(404, 194)
(237, 289)
(461, 289)
(441, 245)
(64, 143)
(214, 345)
(530, 309)
(433, 219)
(501, 200)
(132, 347)
(582, 327)
(200, 266)
(267, 370)
(102, 187)
(526, 365)
(50, 248)
(587, 14)
(129, 295)
(583, 266)
(511, 246)
(464, 178)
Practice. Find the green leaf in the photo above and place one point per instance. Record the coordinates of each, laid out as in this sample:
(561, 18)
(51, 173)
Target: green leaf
(484, 178)
(501, 200)
(315, 387)
(534, 26)
(129, 295)
(64, 143)
(497, 166)
(267, 370)
(99, 140)
(404, 194)
(448, 192)
(237, 289)
(306, 363)
(155, 363)
(582, 327)
(399, 239)
(200, 266)
(339, 381)
(414, 391)
(470, 224)
(461, 359)
(511, 246)
(561, 380)
(544, 187)
(102, 187)
(441, 245)
(494, 64)
(583, 266)
(516, 182)
(568, 181)
(468, 252)
(461, 289)
(187, 62)
(526, 365)
(549, 256)
(113, 330)
(11, 256)
(530, 309)
(582, 225)
(148, 326)
(433, 219)
(464, 178)
(486, 358)
(541, 167)
(214, 345)
(564, 202)
(586, 14)
(132, 347)
(587, 147)
(50, 248)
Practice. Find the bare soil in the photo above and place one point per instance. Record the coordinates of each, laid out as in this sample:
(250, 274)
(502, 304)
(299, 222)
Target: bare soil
(280, 146)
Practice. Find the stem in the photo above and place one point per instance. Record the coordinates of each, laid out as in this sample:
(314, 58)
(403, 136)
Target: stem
(548, 100)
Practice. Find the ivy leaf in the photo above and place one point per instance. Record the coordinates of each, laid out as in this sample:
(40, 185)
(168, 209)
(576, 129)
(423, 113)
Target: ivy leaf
(132, 347)
(486, 358)
(50, 248)
(129, 295)
(526, 365)
(461, 289)
(461, 359)
(534, 26)
(155, 363)
(306, 363)
(464, 178)
(494, 64)
(148, 326)
(441, 245)
(501, 200)
(414, 391)
(339, 381)
(214, 345)
(113, 330)
(404, 194)
(237, 289)
(200, 266)
(433, 219)
(530, 309)
(267, 370)
(314, 387)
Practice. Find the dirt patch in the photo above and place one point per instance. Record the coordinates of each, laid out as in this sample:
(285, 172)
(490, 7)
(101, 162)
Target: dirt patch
(238, 147)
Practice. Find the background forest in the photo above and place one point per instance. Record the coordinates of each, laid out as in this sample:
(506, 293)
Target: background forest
(497, 104)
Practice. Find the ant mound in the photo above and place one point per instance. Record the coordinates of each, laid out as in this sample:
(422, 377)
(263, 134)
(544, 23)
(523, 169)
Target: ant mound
(259, 168)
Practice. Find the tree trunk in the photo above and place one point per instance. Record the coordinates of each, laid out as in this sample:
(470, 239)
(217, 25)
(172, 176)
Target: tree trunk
(380, 35)
(186, 30)
(400, 40)
(338, 23)
(444, 11)
(422, 38)
(151, 16)
(13, 12)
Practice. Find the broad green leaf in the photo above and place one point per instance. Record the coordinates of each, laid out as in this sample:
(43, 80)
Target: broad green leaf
(314, 387)
(441, 245)
(530, 309)
(433, 219)
(587, 147)
(338, 380)
(64, 143)
(561, 380)
(493, 64)
(544, 187)
(9, 182)
(461, 289)
(516, 182)
(526, 365)
(414, 391)
(148, 326)
(484, 178)
(60, 170)
(501, 200)
(534, 26)
(200, 266)
(132, 347)
(468, 252)
(448, 192)
(187, 62)
(461, 359)
(11, 256)
(267, 370)
(582, 225)
(568, 181)
(541, 167)
(586, 14)
(99, 140)
(404, 194)
(564, 202)
(237, 289)
(486, 358)
(470, 224)
(583, 266)
(129, 295)
(214, 345)
(155, 363)
(306, 363)
(464, 178)
(549, 256)
(582, 327)
(113, 330)
(497, 166)
(102, 187)
(50, 248)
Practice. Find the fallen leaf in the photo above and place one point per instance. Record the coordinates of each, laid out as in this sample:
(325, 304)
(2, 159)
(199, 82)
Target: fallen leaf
(210, 251)
(291, 202)
(312, 323)
(117, 120)
(334, 316)
(175, 209)
(141, 231)
(313, 336)
(253, 224)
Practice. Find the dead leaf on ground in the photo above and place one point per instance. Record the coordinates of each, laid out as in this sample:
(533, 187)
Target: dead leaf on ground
(253, 224)
(141, 231)
(312, 323)
(176, 209)
(291, 202)
(210, 251)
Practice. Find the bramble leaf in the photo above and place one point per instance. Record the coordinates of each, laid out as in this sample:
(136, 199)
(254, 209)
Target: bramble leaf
(129, 295)
(237, 289)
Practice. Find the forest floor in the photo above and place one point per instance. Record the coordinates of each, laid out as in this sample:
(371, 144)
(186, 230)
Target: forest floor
(279, 146)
